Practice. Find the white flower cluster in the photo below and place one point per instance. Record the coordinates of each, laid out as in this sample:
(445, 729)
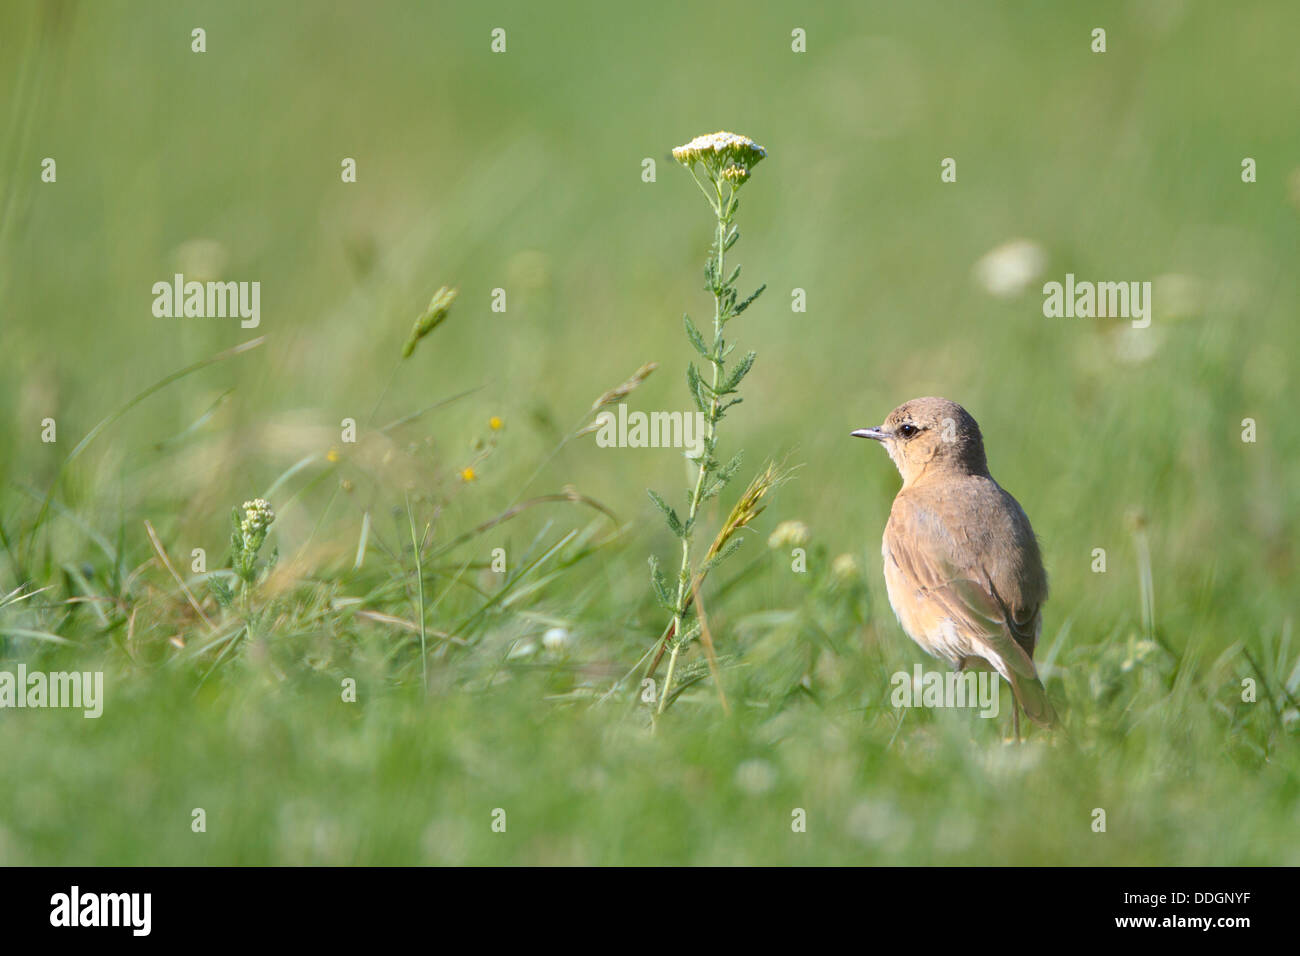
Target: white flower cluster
(257, 517)
(724, 154)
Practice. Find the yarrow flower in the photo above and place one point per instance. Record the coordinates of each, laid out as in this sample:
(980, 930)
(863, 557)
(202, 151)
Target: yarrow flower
(737, 149)
(725, 155)
(251, 521)
(735, 174)
(257, 517)
(726, 160)
(788, 534)
(845, 568)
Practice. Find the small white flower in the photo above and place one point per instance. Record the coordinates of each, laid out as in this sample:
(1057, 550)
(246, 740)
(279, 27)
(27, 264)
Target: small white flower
(1011, 268)
(556, 639)
(846, 568)
(788, 534)
(755, 777)
(1136, 346)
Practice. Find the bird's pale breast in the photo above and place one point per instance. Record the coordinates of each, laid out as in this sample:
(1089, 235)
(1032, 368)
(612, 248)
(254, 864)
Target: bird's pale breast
(963, 573)
(924, 620)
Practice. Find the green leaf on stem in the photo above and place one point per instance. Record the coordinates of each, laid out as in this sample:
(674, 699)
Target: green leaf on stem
(697, 387)
(738, 374)
(697, 340)
(674, 522)
(748, 302)
(660, 585)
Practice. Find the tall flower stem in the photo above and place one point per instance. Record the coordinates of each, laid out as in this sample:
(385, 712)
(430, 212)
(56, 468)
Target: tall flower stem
(724, 212)
(720, 163)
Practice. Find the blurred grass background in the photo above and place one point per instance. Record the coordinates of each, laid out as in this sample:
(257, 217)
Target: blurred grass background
(523, 171)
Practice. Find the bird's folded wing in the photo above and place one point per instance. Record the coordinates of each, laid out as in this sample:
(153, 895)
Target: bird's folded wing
(961, 590)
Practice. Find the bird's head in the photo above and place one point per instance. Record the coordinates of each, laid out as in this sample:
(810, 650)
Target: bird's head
(930, 436)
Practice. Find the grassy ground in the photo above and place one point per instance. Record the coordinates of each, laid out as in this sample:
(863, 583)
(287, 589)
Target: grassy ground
(522, 171)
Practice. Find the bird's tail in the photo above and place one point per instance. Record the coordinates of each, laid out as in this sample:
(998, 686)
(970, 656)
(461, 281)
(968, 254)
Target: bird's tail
(1032, 697)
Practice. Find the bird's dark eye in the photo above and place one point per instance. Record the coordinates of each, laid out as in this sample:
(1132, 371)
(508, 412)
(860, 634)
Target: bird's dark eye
(907, 431)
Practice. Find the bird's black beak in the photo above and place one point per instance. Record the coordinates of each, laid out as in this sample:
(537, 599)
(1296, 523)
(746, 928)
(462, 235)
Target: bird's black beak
(879, 434)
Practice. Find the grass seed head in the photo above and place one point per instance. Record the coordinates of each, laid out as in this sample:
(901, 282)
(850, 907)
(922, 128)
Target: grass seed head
(748, 507)
(620, 392)
(439, 307)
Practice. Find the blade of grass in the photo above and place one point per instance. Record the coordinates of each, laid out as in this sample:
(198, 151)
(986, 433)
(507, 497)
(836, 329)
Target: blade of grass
(407, 419)
(707, 639)
(515, 510)
(38, 635)
(162, 555)
(361, 541)
(419, 577)
(14, 596)
(196, 424)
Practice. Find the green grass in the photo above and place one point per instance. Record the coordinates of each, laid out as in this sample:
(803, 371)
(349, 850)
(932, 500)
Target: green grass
(523, 171)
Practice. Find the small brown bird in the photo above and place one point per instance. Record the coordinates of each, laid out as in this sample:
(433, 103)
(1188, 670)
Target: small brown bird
(961, 562)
